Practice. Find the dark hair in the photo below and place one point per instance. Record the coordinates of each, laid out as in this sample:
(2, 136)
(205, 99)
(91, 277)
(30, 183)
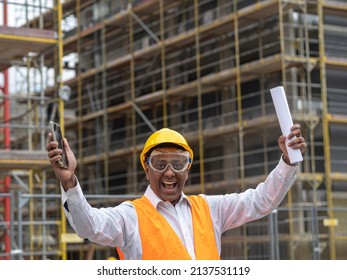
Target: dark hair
(164, 145)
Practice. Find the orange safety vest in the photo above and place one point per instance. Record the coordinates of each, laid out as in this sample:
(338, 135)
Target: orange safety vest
(160, 242)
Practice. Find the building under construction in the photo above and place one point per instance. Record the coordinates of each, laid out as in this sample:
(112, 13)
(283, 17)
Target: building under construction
(111, 72)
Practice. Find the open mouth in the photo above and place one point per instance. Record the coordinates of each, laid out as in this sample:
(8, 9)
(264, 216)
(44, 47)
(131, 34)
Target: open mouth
(168, 185)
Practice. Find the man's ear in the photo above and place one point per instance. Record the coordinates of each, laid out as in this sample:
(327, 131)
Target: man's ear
(147, 173)
(187, 176)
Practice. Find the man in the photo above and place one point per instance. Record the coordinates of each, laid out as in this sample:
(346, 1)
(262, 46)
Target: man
(165, 223)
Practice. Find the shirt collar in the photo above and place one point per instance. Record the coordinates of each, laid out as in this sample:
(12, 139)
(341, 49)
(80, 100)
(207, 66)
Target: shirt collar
(155, 200)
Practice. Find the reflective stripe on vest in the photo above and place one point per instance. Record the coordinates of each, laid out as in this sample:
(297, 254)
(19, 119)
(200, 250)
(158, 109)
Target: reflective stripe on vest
(160, 242)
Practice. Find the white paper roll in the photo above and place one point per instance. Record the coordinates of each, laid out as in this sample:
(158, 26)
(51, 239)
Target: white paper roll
(285, 119)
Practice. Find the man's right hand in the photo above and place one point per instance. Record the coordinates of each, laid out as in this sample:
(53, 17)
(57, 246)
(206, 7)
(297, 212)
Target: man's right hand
(66, 176)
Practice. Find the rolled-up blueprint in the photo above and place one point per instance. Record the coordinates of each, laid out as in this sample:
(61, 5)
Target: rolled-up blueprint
(285, 119)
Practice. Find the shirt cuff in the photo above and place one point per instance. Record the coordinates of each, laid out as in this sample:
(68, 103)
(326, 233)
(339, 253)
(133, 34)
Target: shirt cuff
(285, 170)
(73, 195)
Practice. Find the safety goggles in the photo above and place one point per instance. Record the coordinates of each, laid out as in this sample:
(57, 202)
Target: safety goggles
(160, 162)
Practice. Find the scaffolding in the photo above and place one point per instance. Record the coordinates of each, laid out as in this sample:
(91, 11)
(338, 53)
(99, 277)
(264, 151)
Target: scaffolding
(25, 228)
(205, 69)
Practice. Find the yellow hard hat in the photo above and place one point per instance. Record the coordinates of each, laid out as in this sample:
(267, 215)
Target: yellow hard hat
(165, 136)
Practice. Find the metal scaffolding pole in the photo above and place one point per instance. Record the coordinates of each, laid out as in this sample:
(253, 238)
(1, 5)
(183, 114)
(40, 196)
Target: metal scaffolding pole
(274, 237)
(326, 127)
(199, 95)
(7, 145)
(163, 64)
(58, 8)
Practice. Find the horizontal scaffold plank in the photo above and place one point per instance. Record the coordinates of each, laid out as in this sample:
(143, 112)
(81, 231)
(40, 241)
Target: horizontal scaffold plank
(19, 159)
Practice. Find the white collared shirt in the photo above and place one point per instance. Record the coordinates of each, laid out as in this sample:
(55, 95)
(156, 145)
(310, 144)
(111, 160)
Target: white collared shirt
(118, 226)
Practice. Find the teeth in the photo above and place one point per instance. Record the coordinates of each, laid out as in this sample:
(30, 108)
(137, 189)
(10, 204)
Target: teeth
(169, 185)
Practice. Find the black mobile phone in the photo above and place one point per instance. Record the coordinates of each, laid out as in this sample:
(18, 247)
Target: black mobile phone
(57, 136)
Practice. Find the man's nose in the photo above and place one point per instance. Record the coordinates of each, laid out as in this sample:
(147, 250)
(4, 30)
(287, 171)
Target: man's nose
(169, 171)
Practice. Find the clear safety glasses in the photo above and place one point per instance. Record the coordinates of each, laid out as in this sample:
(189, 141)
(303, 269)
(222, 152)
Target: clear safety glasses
(160, 162)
